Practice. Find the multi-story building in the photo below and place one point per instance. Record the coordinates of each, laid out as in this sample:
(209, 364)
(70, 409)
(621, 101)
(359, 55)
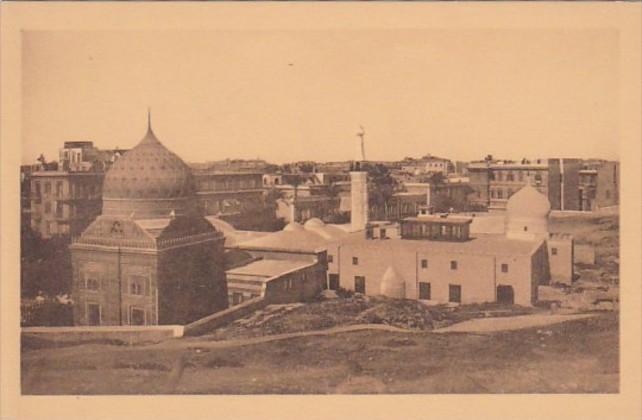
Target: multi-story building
(228, 193)
(233, 165)
(65, 196)
(428, 165)
(84, 156)
(506, 178)
(64, 202)
(598, 185)
(569, 184)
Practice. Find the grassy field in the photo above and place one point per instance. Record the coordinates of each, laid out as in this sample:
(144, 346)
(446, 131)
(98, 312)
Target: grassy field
(573, 357)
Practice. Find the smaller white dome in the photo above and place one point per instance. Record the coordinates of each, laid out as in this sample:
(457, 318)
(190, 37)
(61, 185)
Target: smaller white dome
(528, 202)
(392, 284)
(293, 227)
(313, 223)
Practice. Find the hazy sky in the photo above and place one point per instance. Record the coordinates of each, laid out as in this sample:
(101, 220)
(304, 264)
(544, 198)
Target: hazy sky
(297, 95)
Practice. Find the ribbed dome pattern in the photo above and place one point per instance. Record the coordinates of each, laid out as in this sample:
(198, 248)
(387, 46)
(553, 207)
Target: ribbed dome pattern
(149, 181)
(149, 170)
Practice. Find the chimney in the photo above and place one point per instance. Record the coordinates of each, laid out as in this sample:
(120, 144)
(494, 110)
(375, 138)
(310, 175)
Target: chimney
(359, 189)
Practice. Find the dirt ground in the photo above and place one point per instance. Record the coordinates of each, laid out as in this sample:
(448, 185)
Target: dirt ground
(573, 357)
(358, 309)
(580, 356)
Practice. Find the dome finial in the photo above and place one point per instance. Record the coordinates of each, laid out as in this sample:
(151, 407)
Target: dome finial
(149, 119)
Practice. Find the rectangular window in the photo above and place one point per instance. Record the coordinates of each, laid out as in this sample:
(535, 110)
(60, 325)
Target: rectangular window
(93, 314)
(237, 298)
(136, 316)
(334, 281)
(47, 207)
(424, 263)
(554, 251)
(47, 188)
(500, 194)
(454, 293)
(521, 175)
(59, 209)
(504, 268)
(355, 260)
(424, 290)
(382, 232)
(137, 285)
(360, 284)
(509, 177)
(59, 189)
(453, 265)
(330, 258)
(92, 283)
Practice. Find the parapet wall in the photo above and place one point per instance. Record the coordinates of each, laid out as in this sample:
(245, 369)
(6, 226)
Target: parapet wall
(126, 334)
(224, 317)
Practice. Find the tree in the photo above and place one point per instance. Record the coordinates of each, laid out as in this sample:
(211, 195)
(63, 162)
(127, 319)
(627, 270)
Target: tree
(381, 184)
(435, 179)
(306, 167)
(45, 265)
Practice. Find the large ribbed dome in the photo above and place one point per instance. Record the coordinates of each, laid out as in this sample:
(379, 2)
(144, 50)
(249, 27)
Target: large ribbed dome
(148, 181)
(528, 202)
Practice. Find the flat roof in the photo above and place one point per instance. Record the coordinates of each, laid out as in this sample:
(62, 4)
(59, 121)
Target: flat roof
(435, 218)
(269, 268)
(479, 244)
(286, 241)
(67, 173)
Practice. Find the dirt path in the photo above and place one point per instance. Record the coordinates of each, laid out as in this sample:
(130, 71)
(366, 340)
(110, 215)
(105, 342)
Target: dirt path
(472, 326)
(483, 325)
(187, 342)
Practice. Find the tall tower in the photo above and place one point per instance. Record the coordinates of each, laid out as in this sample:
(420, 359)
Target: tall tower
(359, 187)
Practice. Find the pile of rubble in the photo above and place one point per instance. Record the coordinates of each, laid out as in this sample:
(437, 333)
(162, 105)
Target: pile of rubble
(401, 313)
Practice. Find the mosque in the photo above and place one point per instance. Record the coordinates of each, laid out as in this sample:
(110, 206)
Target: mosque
(151, 258)
(432, 258)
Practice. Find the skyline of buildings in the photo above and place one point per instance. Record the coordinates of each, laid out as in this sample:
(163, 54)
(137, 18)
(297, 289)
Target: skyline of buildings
(64, 197)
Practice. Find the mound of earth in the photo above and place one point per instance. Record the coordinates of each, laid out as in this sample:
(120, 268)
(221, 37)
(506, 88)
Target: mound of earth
(328, 313)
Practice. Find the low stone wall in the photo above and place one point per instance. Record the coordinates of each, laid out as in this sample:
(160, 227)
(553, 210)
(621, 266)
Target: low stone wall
(224, 317)
(125, 334)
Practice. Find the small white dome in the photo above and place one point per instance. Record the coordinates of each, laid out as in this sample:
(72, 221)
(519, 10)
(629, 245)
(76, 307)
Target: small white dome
(293, 227)
(313, 223)
(392, 284)
(528, 202)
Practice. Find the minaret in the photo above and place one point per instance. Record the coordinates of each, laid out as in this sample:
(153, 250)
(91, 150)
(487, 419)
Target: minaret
(359, 187)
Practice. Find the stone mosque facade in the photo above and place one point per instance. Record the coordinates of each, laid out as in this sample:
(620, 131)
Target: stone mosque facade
(150, 258)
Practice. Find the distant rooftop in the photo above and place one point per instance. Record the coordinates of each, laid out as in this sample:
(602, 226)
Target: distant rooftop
(269, 268)
(437, 218)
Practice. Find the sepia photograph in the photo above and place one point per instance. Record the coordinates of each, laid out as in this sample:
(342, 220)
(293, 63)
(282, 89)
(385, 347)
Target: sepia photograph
(325, 210)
